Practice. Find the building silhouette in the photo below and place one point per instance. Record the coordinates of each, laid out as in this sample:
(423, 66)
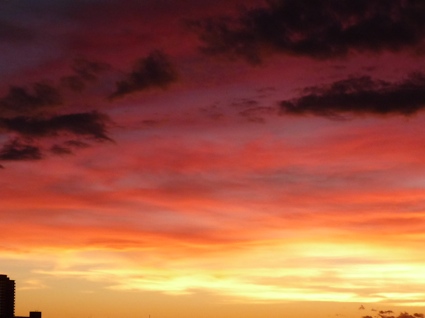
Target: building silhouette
(7, 299)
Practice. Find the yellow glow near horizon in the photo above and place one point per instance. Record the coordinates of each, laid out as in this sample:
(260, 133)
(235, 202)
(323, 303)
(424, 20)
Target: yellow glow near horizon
(321, 272)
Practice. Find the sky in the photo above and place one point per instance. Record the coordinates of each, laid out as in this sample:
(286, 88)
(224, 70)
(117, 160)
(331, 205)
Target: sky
(226, 158)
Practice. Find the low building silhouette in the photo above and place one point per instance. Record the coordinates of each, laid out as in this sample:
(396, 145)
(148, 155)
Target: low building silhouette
(7, 300)
(32, 314)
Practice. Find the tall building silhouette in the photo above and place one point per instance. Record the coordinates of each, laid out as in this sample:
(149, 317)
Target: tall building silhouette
(7, 300)
(7, 297)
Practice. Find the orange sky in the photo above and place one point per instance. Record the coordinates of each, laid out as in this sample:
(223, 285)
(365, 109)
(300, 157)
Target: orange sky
(158, 160)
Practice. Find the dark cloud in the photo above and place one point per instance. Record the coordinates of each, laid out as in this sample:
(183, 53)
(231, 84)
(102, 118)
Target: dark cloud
(315, 28)
(91, 124)
(84, 71)
(389, 314)
(405, 315)
(15, 150)
(155, 70)
(41, 115)
(23, 101)
(361, 95)
(67, 147)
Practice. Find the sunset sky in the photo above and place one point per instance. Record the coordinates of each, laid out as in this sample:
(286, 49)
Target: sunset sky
(214, 158)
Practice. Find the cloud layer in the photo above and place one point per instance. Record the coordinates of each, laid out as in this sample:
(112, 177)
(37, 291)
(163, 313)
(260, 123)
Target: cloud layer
(319, 29)
(29, 116)
(42, 118)
(361, 96)
(91, 125)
